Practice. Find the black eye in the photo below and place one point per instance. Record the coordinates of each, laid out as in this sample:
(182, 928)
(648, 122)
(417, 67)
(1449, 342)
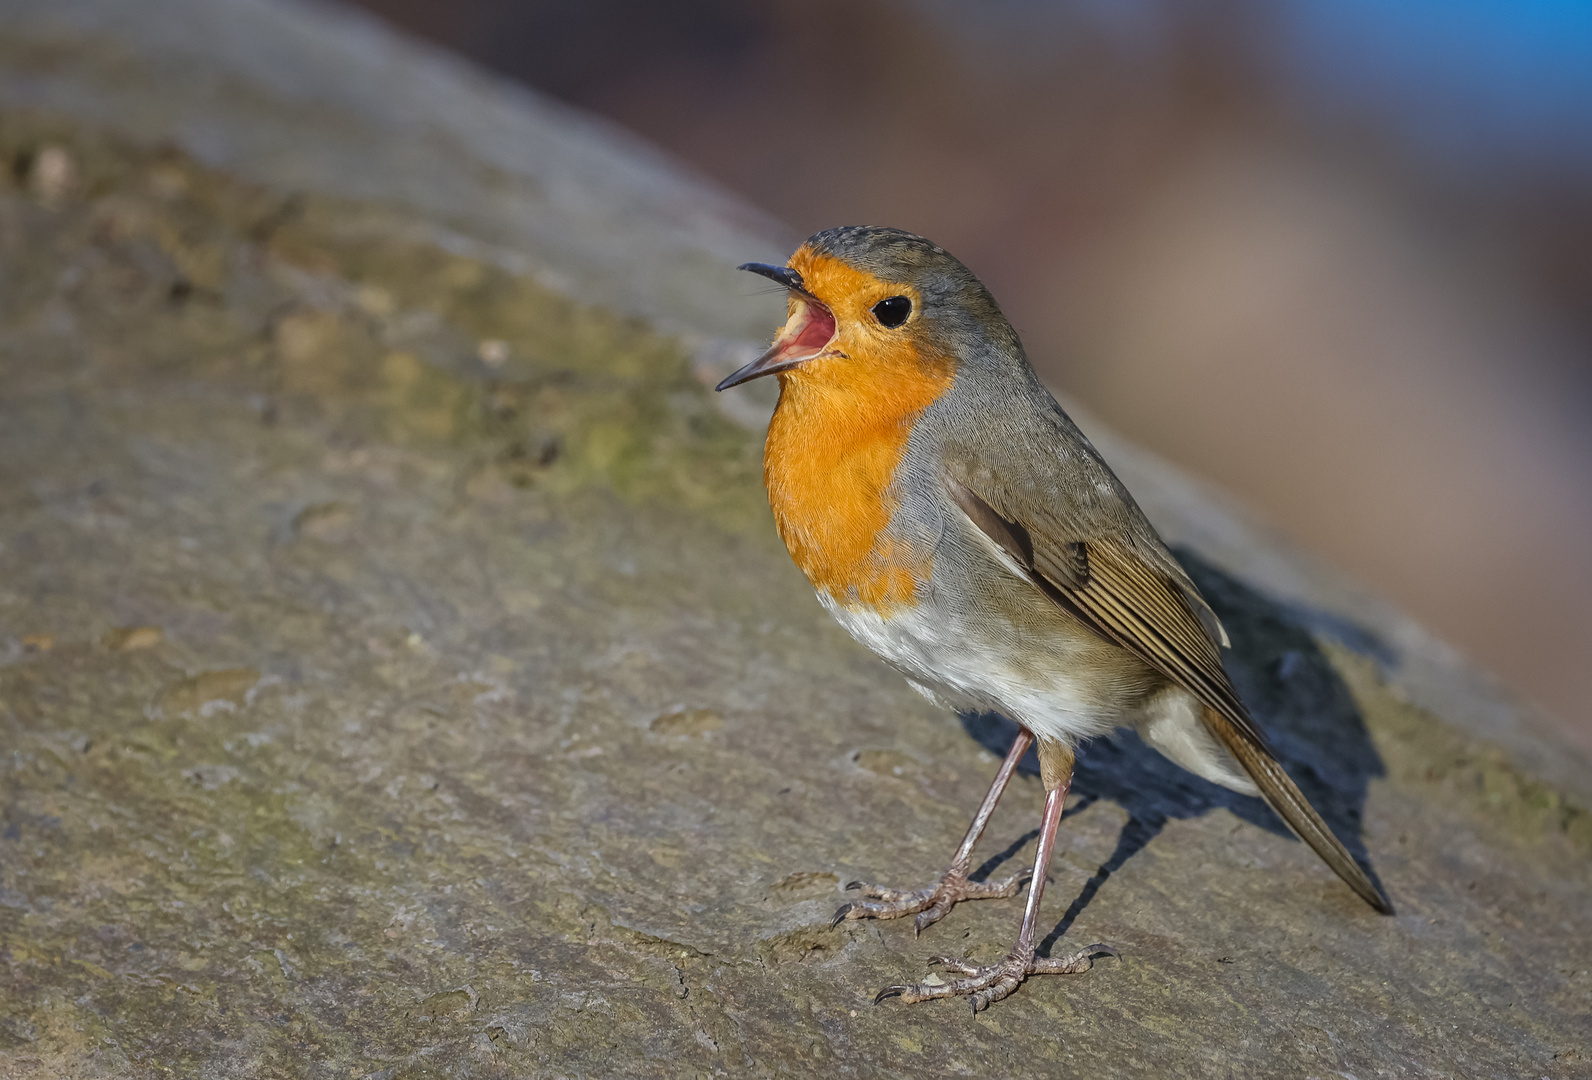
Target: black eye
(892, 311)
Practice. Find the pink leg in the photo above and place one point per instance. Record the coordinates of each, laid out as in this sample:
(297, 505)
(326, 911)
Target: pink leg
(996, 981)
(931, 904)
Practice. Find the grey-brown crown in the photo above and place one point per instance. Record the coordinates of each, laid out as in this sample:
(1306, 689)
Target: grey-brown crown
(952, 295)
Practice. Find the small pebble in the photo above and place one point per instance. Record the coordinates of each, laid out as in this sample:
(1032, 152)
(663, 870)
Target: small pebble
(375, 301)
(53, 175)
(131, 638)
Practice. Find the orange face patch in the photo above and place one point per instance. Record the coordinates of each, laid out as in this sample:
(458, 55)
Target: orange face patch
(837, 437)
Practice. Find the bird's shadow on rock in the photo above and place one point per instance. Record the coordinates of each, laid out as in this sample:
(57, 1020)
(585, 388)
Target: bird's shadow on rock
(1296, 697)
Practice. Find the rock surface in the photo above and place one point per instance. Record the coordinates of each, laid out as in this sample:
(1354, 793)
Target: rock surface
(399, 675)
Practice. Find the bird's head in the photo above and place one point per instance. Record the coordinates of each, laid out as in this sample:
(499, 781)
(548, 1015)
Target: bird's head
(871, 303)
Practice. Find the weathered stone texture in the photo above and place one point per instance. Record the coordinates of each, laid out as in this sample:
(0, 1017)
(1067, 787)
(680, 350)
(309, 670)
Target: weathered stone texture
(399, 677)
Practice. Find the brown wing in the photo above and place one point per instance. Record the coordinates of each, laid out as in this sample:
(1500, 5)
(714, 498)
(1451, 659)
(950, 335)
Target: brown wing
(1145, 609)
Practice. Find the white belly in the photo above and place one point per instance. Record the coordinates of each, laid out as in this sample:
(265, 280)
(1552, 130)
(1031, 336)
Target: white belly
(979, 671)
(1035, 686)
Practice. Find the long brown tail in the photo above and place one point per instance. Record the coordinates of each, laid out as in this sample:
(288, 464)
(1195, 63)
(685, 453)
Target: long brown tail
(1291, 805)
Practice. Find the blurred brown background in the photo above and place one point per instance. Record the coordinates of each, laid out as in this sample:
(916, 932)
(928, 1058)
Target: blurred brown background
(1336, 256)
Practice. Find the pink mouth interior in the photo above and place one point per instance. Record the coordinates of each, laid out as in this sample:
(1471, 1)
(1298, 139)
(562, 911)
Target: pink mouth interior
(815, 329)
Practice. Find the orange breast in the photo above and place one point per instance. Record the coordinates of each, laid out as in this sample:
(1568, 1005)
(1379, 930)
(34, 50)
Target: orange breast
(833, 448)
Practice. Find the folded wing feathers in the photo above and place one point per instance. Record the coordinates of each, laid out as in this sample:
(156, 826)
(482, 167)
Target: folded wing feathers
(1153, 620)
(1136, 606)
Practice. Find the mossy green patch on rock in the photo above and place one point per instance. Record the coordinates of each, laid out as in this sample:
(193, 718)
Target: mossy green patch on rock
(330, 308)
(1428, 752)
(477, 725)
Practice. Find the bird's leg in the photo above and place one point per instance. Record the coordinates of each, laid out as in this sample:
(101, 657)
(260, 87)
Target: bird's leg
(995, 981)
(932, 903)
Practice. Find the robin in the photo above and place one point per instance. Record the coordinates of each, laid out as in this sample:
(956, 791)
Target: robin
(954, 520)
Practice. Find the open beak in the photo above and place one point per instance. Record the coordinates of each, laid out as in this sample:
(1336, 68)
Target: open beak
(808, 332)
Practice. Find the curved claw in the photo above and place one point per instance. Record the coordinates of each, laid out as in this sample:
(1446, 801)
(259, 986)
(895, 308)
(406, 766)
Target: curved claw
(930, 905)
(982, 999)
(960, 966)
(987, 984)
(929, 916)
(1080, 961)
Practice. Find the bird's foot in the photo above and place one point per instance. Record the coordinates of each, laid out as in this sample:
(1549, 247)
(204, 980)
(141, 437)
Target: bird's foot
(988, 984)
(930, 904)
